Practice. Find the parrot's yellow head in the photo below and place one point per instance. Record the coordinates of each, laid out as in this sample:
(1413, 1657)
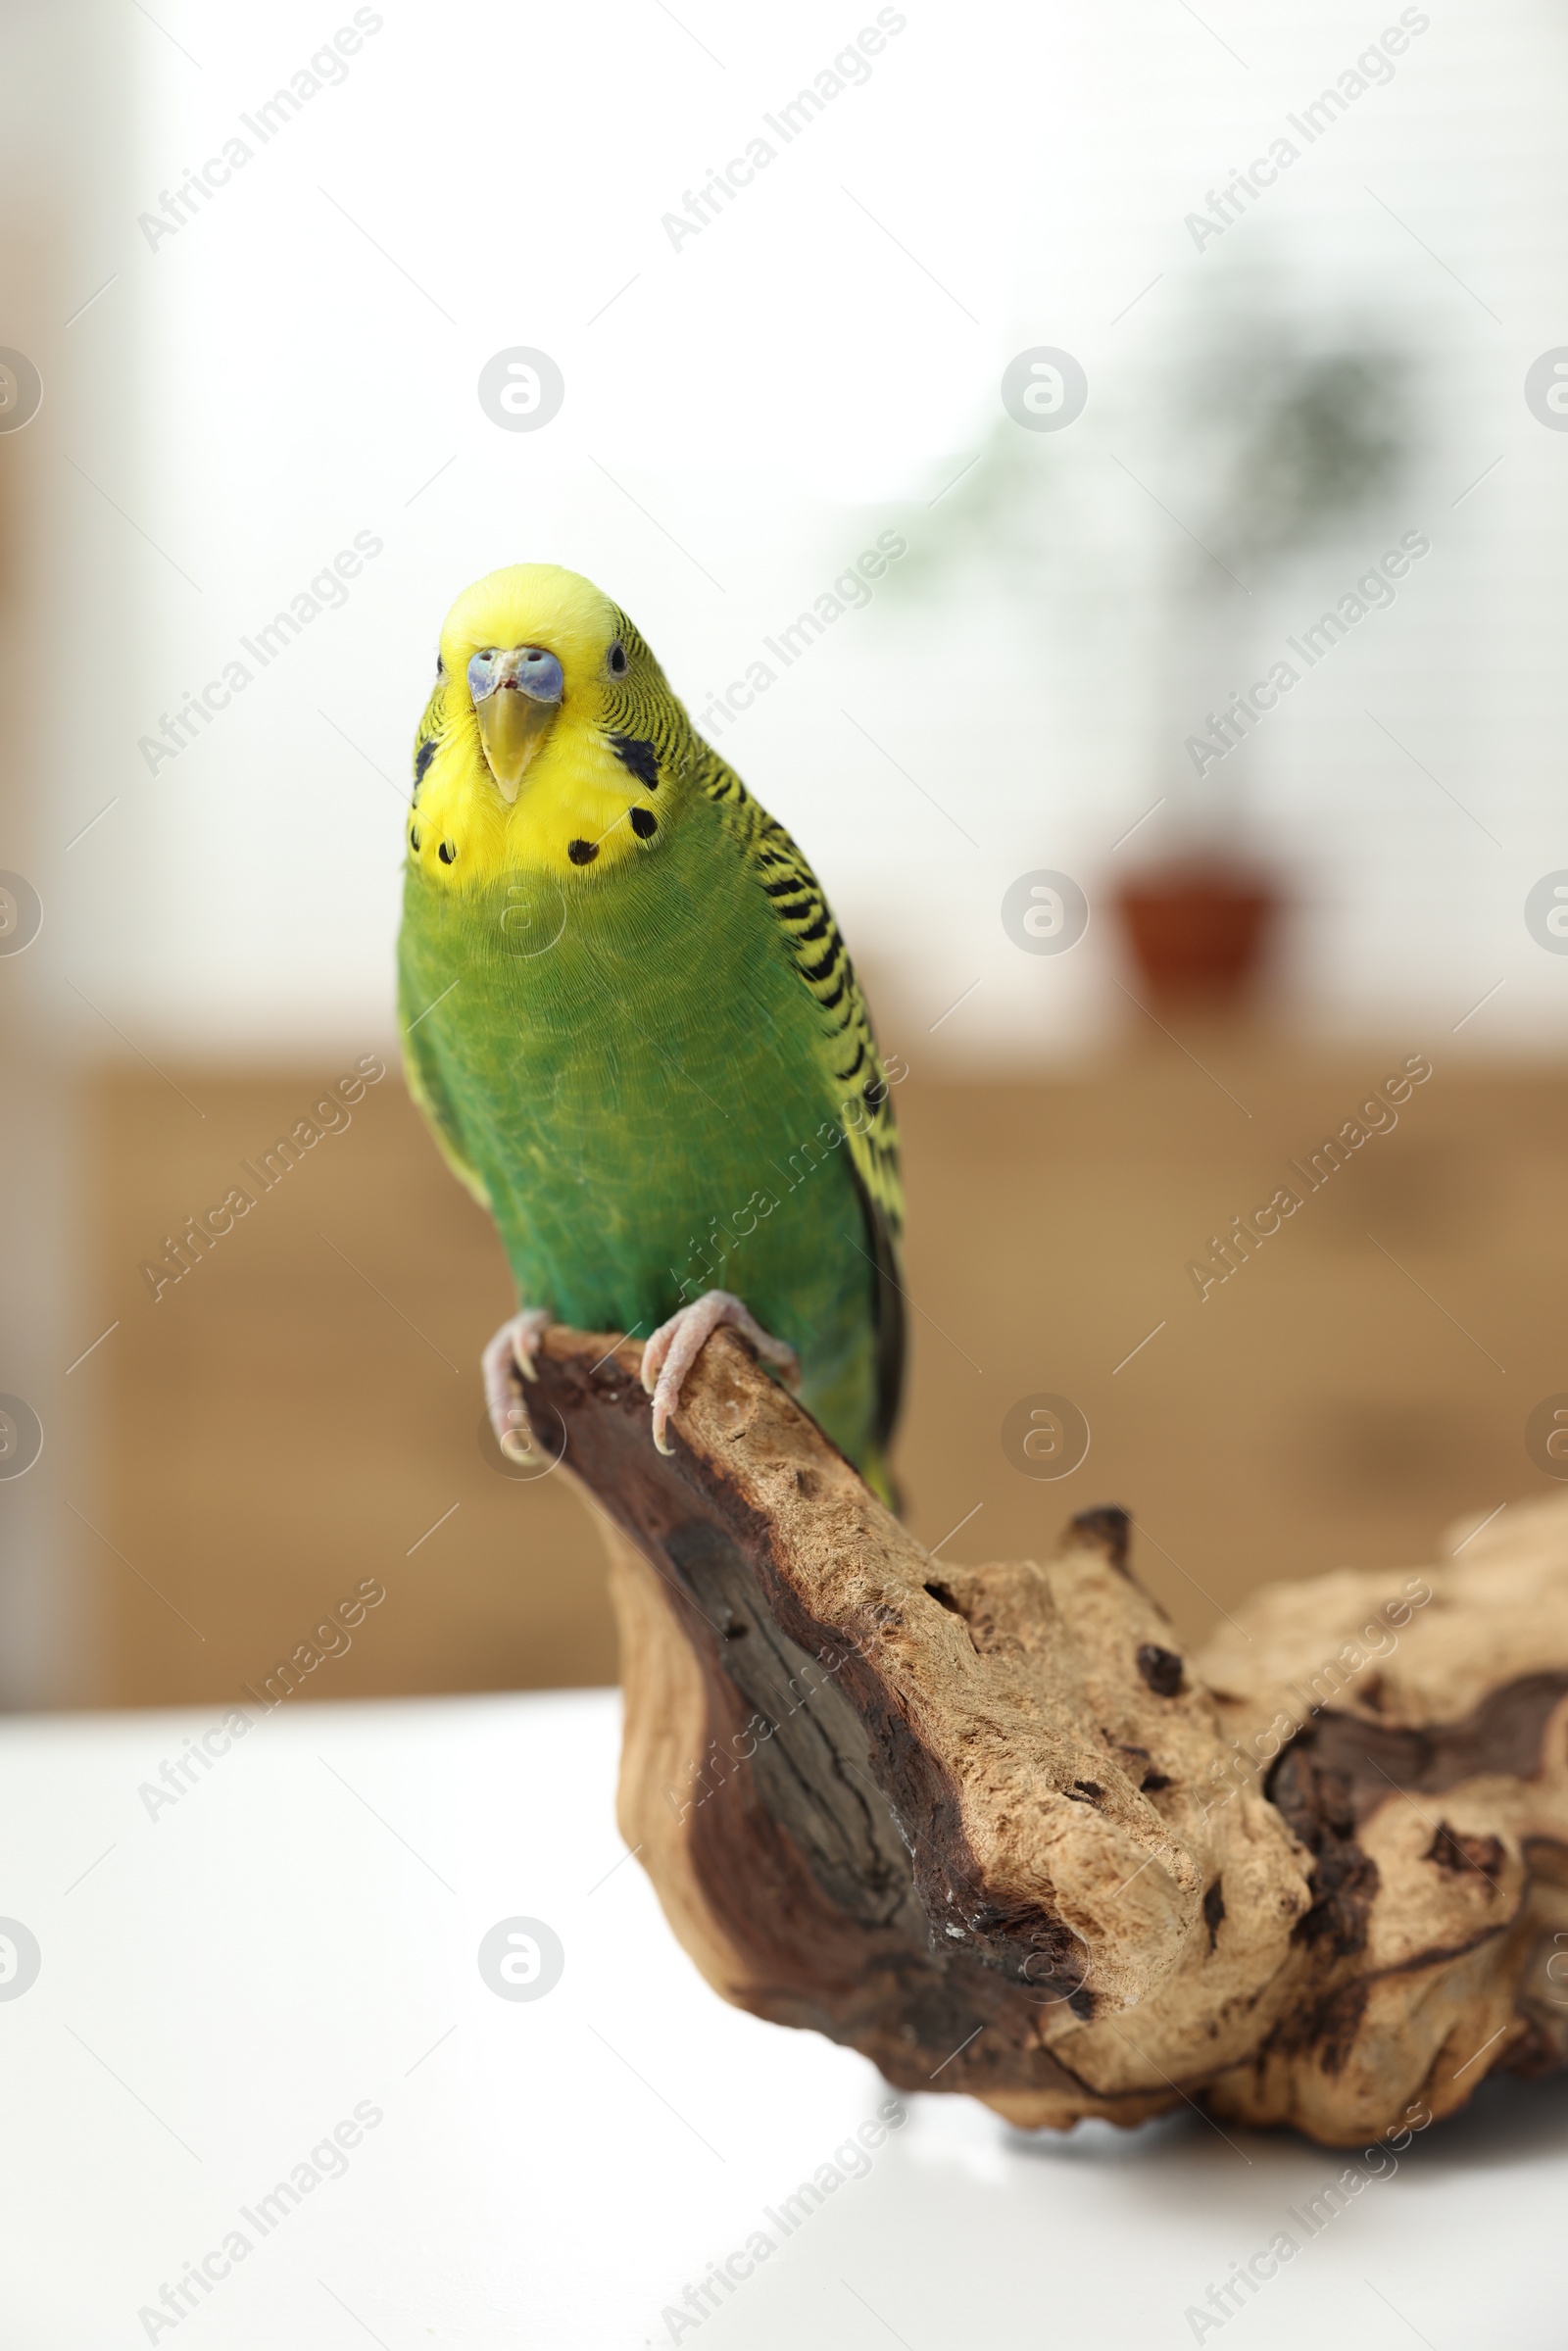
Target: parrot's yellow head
(551, 741)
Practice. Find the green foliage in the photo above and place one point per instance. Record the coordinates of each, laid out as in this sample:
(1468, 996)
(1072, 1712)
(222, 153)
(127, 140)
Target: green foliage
(1289, 444)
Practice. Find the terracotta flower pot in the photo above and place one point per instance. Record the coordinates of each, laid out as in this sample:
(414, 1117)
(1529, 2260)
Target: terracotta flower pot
(1198, 929)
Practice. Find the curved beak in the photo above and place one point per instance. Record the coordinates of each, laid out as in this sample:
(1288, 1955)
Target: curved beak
(515, 697)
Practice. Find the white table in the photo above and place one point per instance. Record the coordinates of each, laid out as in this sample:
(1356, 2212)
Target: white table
(296, 1937)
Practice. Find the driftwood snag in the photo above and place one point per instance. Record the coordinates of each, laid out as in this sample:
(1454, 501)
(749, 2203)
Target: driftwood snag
(990, 1827)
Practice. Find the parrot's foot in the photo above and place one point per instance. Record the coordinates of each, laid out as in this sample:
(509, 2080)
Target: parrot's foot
(677, 1344)
(513, 1351)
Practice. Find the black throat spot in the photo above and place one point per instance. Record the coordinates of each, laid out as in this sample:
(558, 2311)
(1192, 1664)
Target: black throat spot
(638, 757)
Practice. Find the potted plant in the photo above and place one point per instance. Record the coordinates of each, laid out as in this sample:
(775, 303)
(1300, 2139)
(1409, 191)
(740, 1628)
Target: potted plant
(1283, 441)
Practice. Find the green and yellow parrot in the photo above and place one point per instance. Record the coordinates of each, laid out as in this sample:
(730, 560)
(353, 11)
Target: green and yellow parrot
(632, 1024)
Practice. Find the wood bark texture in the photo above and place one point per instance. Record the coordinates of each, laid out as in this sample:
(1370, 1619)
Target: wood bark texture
(992, 1828)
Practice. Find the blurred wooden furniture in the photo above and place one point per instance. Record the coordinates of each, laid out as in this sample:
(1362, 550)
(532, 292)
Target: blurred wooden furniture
(302, 1411)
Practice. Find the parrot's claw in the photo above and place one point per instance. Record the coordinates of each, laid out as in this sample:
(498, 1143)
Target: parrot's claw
(677, 1344)
(510, 1352)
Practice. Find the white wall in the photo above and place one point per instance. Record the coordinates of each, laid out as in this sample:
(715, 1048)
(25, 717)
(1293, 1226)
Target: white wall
(749, 413)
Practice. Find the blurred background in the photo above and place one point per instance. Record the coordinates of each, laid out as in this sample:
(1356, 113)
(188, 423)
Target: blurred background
(1193, 764)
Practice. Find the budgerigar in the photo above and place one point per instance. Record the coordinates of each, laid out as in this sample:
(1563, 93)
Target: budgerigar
(633, 1026)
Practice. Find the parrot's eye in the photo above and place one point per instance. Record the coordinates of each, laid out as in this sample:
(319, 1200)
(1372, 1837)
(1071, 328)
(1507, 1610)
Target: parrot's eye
(617, 660)
(440, 667)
